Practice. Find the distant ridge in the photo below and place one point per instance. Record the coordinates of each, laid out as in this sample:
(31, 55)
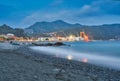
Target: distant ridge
(62, 28)
(44, 27)
(98, 32)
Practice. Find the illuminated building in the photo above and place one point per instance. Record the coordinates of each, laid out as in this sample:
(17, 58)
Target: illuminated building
(83, 35)
(2, 38)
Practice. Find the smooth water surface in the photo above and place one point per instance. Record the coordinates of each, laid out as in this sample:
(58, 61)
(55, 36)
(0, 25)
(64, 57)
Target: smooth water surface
(102, 53)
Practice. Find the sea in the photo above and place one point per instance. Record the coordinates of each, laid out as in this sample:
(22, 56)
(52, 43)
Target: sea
(100, 53)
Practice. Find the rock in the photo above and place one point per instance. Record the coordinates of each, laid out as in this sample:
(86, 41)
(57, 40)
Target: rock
(35, 76)
(59, 76)
(59, 70)
(4, 71)
(56, 70)
(59, 44)
(38, 60)
(16, 65)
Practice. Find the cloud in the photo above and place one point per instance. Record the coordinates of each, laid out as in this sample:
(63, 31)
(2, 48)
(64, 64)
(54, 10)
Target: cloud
(108, 6)
(85, 8)
(64, 14)
(97, 12)
(74, 11)
(88, 10)
(100, 7)
(44, 16)
(56, 2)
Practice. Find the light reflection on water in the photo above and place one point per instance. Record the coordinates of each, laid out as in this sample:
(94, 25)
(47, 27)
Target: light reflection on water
(69, 57)
(85, 60)
(97, 59)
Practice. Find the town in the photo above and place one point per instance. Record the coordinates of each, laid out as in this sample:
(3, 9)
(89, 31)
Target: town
(8, 37)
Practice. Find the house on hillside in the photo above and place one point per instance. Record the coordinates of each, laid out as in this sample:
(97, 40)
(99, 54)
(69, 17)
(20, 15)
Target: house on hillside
(2, 38)
(11, 36)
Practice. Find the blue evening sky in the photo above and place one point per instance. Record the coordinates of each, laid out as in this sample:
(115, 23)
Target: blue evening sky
(22, 13)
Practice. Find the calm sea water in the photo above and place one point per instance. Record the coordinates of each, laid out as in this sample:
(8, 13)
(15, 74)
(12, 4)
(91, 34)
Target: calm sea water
(105, 48)
(102, 53)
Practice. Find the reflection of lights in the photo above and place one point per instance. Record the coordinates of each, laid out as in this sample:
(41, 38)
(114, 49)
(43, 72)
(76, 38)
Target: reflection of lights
(84, 60)
(69, 57)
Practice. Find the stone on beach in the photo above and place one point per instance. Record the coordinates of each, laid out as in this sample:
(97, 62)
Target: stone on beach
(23, 64)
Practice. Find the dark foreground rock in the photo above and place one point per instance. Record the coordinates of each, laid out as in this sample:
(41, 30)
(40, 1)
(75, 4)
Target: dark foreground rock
(50, 44)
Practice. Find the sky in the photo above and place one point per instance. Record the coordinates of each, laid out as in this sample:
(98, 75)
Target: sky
(23, 13)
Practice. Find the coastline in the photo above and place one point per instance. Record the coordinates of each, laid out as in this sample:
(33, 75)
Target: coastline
(24, 64)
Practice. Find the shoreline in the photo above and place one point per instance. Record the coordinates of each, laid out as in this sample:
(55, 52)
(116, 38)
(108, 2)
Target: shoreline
(61, 69)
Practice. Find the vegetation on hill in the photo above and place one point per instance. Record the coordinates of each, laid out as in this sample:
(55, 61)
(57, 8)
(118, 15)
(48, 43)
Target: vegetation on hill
(104, 32)
(5, 29)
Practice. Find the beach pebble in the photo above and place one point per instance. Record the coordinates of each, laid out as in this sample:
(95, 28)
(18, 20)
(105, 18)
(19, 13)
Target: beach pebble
(35, 76)
(59, 76)
(4, 70)
(56, 70)
(16, 65)
(59, 70)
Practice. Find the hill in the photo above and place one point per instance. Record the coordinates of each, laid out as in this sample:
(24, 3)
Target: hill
(45, 27)
(104, 32)
(4, 29)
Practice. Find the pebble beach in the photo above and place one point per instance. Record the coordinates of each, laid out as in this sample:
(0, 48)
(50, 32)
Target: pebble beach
(20, 63)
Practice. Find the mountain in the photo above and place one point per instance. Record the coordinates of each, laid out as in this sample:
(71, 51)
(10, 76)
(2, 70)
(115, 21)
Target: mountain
(5, 29)
(45, 27)
(104, 32)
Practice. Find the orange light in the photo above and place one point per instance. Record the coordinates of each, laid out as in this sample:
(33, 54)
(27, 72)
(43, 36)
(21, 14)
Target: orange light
(83, 35)
(58, 37)
(85, 60)
(86, 39)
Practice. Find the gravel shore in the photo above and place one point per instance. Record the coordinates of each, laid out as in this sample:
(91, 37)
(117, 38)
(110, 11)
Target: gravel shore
(24, 64)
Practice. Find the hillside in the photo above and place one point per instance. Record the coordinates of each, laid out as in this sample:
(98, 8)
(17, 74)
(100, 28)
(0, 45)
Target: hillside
(45, 27)
(105, 32)
(4, 29)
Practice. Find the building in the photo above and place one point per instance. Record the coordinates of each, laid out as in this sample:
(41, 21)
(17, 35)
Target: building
(10, 36)
(2, 38)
